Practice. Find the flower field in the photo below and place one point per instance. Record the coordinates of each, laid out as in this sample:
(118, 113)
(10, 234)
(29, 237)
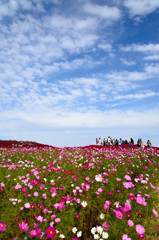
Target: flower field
(81, 193)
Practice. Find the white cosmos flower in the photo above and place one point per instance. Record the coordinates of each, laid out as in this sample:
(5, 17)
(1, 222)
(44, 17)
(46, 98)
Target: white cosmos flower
(96, 236)
(93, 230)
(79, 234)
(99, 229)
(102, 216)
(84, 204)
(62, 236)
(74, 230)
(105, 235)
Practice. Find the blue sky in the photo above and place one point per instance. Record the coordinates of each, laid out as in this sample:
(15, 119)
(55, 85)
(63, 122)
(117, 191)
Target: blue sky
(71, 71)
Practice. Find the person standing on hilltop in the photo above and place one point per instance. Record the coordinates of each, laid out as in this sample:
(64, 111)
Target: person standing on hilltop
(108, 140)
(142, 144)
(120, 142)
(149, 144)
(100, 141)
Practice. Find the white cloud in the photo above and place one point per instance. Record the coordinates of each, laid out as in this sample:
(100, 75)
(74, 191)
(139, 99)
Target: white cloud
(151, 57)
(141, 48)
(150, 71)
(11, 7)
(128, 62)
(136, 96)
(105, 46)
(103, 12)
(126, 75)
(138, 7)
(56, 118)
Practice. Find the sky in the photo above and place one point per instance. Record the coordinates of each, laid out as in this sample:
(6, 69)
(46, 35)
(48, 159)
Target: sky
(74, 70)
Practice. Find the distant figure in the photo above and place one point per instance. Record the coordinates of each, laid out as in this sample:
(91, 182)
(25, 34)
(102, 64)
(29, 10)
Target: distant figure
(104, 142)
(139, 142)
(142, 144)
(131, 143)
(96, 141)
(126, 141)
(120, 142)
(116, 142)
(100, 141)
(109, 140)
(149, 144)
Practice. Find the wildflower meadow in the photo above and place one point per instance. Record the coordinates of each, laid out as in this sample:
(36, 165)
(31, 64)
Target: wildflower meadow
(80, 193)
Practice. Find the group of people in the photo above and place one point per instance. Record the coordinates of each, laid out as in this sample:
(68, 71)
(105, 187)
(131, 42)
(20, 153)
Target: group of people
(119, 142)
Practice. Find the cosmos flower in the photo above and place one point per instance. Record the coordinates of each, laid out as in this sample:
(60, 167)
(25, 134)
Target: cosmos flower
(51, 232)
(130, 223)
(105, 226)
(84, 204)
(33, 233)
(140, 229)
(23, 226)
(2, 227)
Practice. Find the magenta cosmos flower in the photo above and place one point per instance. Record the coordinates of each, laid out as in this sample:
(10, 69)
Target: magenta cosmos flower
(141, 236)
(140, 229)
(105, 226)
(51, 232)
(2, 227)
(119, 214)
(33, 233)
(106, 206)
(127, 207)
(23, 226)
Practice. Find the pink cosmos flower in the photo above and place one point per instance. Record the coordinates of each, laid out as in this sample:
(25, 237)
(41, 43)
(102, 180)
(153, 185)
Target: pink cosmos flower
(33, 233)
(125, 237)
(119, 214)
(127, 177)
(2, 227)
(44, 196)
(106, 206)
(126, 185)
(51, 232)
(41, 236)
(27, 205)
(53, 194)
(61, 205)
(127, 207)
(42, 187)
(105, 226)
(53, 190)
(23, 226)
(39, 231)
(36, 194)
(155, 213)
(53, 216)
(140, 229)
(130, 223)
(57, 220)
(139, 199)
(45, 210)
